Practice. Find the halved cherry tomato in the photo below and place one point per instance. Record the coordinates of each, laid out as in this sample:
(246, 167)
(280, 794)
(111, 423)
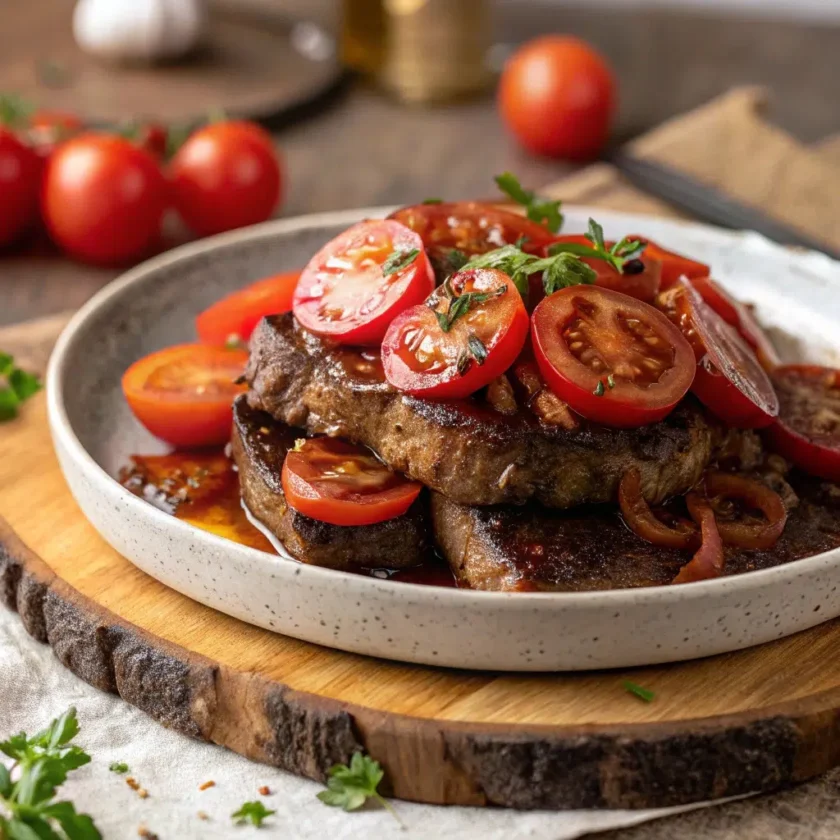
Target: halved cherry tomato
(709, 560)
(674, 265)
(472, 227)
(720, 489)
(20, 183)
(232, 319)
(612, 358)
(730, 381)
(343, 484)
(184, 394)
(468, 332)
(640, 279)
(644, 523)
(807, 431)
(737, 315)
(360, 281)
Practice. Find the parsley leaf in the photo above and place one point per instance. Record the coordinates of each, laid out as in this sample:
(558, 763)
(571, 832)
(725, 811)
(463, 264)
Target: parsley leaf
(119, 767)
(461, 304)
(432, 201)
(42, 764)
(350, 787)
(542, 211)
(623, 252)
(398, 261)
(20, 386)
(477, 348)
(256, 812)
(644, 694)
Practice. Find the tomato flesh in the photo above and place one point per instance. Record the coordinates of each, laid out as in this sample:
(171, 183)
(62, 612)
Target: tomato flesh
(345, 294)
(232, 319)
(730, 381)
(674, 265)
(643, 284)
(644, 523)
(421, 358)
(184, 394)
(807, 431)
(20, 182)
(614, 359)
(336, 482)
(709, 560)
(737, 315)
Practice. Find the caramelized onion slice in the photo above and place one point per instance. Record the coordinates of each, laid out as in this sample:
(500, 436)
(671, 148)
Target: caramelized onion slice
(643, 522)
(708, 562)
(749, 535)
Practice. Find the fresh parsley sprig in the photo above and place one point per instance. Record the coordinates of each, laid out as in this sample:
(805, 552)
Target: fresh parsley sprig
(558, 271)
(459, 305)
(254, 812)
(623, 252)
(543, 211)
(350, 787)
(19, 386)
(398, 260)
(28, 788)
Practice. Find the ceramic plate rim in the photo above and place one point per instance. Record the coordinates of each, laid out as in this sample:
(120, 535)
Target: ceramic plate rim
(62, 429)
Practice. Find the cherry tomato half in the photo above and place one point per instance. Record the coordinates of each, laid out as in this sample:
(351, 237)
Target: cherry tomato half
(612, 358)
(469, 332)
(184, 394)
(234, 318)
(674, 265)
(807, 432)
(20, 183)
(227, 175)
(103, 199)
(737, 315)
(709, 561)
(336, 482)
(640, 280)
(557, 96)
(360, 281)
(730, 381)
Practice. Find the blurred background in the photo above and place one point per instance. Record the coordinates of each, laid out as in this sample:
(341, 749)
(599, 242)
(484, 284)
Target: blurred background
(368, 102)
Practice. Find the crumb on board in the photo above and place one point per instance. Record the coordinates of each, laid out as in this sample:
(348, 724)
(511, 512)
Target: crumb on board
(142, 831)
(207, 785)
(265, 790)
(132, 783)
(143, 793)
(202, 815)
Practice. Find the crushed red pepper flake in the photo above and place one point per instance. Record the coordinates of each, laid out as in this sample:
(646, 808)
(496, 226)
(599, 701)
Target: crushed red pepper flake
(265, 790)
(207, 785)
(142, 831)
(132, 783)
(143, 793)
(202, 815)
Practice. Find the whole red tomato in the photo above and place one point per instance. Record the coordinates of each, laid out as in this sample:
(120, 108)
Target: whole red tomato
(103, 199)
(227, 175)
(20, 180)
(557, 96)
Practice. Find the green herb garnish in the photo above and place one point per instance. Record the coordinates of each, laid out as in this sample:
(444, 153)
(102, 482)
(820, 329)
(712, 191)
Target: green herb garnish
(459, 305)
(643, 694)
(27, 789)
(19, 387)
(432, 201)
(119, 767)
(256, 812)
(15, 111)
(558, 272)
(610, 382)
(398, 261)
(542, 211)
(350, 787)
(477, 348)
(599, 389)
(623, 252)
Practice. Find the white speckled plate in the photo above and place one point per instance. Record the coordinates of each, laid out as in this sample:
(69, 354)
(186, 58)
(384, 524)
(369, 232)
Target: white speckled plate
(154, 306)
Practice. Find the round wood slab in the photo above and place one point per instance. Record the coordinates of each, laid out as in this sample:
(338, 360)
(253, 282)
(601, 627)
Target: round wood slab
(252, 64)
(749, 721)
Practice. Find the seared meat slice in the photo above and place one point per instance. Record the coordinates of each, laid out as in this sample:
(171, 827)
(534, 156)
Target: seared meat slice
(466, 450)
(533, 549)
(259, 448)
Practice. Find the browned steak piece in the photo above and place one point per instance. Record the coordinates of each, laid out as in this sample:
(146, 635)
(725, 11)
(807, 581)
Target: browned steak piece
(466, 450)
(534, 549)
(259, 448)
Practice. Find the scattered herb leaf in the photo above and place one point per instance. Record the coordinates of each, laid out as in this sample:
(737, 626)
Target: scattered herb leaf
(432, 201)
(350, 787)
(542, 211)
(19, 386)
(623, 252)
(299, 443)
(611, 382)
(256, 812)
(398, 261)
(15, 111)
(463, 362)
(644, 694)
(42, 764)
(119, 767)
(461, 304)
(477, 348)
(599, 389)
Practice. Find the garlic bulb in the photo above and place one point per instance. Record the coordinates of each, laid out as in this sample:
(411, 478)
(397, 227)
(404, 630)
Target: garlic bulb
(138, 30)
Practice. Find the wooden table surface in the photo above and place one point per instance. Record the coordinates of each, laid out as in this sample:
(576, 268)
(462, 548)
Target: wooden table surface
(360, 148)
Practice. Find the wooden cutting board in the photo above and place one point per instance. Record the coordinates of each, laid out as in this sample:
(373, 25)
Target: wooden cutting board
(738, 723)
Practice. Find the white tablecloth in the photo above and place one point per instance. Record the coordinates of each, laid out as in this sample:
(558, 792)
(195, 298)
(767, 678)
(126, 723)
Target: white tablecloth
(34, 688)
